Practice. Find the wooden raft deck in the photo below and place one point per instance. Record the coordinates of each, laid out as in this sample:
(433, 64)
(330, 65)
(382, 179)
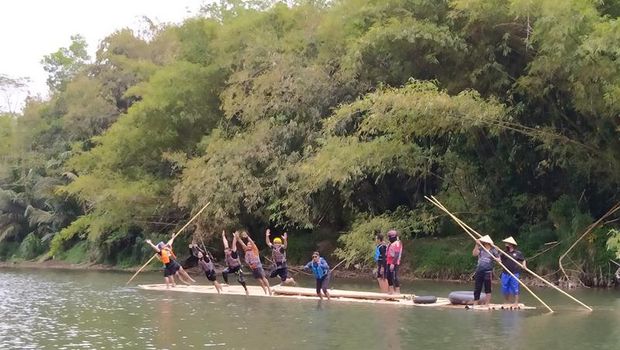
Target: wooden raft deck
(347, 296)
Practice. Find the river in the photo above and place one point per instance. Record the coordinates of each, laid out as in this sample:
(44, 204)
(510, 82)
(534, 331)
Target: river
(64, 309)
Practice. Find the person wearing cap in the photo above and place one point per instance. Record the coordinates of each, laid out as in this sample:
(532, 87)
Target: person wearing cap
(320, 269)
(510, 285)
(171, 266)
(484, 269)
(278, 256)
(252, 258)
(393, 255)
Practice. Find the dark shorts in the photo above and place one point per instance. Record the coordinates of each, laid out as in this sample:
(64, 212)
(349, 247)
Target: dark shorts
(322, 283)
(482, 278)
(281, 271)
(392, 276)
(258, 272)
(232, 269)
(211, 276)
(236, 270)
(171, 268)
(381, 269)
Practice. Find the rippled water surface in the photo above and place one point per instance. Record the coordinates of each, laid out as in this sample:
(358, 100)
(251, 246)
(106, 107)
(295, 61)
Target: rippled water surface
(54, 309)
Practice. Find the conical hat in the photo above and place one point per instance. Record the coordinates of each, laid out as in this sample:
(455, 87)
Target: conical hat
(486, 239)
(510, 240)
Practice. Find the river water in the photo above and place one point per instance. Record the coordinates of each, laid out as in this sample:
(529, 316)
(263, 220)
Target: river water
(58, 309)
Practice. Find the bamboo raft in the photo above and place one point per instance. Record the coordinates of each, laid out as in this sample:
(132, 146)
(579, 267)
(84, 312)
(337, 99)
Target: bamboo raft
(347, 296)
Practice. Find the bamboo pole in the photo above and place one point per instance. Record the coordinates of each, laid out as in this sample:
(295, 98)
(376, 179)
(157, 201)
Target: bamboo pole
(524, 267)
(169, 241)
(440, 206)
(588, 230)
(340, 263)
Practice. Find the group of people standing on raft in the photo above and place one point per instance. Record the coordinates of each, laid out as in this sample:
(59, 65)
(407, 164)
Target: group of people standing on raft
(204, 259)
(487, 254)
(387, 257)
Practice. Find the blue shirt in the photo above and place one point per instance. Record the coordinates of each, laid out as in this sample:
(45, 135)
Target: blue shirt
(320, 269)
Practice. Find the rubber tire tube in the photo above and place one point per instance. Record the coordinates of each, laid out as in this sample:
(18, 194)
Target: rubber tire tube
(463, 297)
(425, 299)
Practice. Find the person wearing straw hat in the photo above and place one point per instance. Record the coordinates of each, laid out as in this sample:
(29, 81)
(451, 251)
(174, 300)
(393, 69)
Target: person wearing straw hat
(510, 285)
(486, 254)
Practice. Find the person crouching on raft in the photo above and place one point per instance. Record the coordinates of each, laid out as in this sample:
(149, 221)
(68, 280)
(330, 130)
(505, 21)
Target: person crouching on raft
(320, 269)
(484, 270)
(206, 264)
(233, 264)
(510, 285)
(278, 255)
(171, 266)
(393, 255)
(252, 258)
(380, 259)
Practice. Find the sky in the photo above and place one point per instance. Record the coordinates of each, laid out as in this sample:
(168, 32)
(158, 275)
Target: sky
(31, 29)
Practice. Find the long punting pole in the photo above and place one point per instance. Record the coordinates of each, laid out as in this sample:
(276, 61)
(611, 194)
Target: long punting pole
(524, 267)
(440, 206)
(170, 241)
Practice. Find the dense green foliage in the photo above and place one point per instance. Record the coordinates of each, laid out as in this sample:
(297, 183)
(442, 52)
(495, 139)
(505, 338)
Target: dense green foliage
(327, 116)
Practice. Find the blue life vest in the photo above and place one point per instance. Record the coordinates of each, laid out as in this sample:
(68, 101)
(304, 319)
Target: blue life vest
(378, 251)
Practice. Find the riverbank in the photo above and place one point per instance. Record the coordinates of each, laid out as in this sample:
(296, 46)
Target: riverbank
(358, 274)
(428, 259)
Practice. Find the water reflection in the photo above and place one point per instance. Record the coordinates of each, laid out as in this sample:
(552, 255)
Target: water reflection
(84, 310)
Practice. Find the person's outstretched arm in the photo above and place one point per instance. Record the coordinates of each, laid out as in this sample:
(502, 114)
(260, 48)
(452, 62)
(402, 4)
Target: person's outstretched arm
(267, 239)
(240, 241)
(148, 241)
(476, 250)
(285, 239)
(224, 239)
(247, 235)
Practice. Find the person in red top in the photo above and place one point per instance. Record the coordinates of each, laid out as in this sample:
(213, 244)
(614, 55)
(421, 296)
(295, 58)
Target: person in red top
(394, 253)
(252, 258)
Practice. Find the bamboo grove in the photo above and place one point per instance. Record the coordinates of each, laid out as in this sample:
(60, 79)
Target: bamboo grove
(329, 119)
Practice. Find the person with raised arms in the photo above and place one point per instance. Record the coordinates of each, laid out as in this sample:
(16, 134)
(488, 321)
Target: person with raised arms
(484, 269)
(510, 285)
(320, 269)
(233, 263)
(171, 266)
(278, 255)
(205, 261)
(252, 258)
(192, 260)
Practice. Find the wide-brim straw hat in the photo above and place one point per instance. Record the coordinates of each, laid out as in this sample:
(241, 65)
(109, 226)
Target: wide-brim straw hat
(510, 240)
(486, 239)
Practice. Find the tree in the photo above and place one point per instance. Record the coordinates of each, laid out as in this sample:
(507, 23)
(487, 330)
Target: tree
(64, 64)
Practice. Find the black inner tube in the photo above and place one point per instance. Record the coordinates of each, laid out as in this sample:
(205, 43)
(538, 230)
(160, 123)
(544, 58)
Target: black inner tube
(425, 299)
(463, 297)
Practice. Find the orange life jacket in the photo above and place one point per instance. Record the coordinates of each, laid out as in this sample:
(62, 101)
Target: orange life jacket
(165, 255)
